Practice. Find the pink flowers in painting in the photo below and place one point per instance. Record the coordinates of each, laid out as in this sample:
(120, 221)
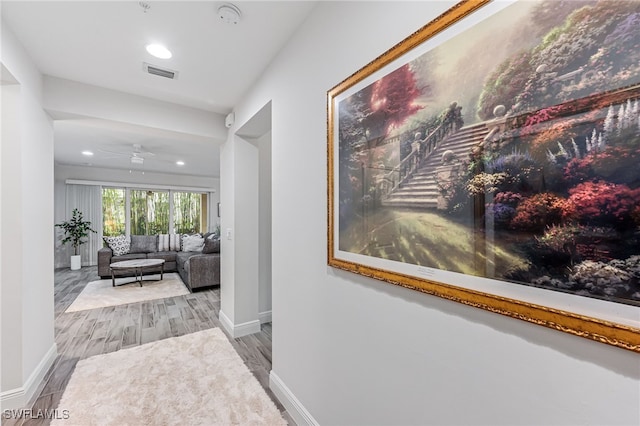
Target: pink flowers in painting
(602, 202)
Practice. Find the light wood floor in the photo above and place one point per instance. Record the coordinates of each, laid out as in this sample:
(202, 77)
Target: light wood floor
(82, 334)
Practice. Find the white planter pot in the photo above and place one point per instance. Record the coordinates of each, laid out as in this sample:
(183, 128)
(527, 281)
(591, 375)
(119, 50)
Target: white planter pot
(76, 262)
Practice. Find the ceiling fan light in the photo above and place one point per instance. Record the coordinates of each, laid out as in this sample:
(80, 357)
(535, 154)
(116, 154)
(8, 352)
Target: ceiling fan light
(87, 153)
(137, 160)
(180, 163)
(159, 51)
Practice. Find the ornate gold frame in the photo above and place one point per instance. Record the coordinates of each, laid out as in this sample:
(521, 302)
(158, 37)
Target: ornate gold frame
(619, 335)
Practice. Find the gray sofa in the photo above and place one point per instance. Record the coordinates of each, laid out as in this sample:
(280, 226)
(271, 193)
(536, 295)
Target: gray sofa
(197, 269)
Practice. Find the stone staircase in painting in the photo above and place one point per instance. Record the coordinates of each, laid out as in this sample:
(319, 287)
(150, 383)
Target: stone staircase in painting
(421, 189)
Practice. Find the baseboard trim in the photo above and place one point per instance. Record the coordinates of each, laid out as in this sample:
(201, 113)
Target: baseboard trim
(264, 317)
(239, 330)
(24, 395)
(291, 403)
(226, 322)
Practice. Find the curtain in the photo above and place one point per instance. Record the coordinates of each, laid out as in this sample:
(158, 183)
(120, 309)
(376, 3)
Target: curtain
(88, 200)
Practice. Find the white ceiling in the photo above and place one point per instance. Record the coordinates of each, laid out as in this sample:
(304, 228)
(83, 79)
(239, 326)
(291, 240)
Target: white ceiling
(112, 144)
(102, 43)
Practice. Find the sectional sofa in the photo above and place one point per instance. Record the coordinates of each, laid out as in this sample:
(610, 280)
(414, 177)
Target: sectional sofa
(198, 269)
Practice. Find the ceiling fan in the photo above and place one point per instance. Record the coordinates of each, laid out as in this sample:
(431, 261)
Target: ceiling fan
(136, 155)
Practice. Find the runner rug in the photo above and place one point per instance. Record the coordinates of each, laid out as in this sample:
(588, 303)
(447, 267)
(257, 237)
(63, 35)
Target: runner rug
(98, 294)
(195, 379)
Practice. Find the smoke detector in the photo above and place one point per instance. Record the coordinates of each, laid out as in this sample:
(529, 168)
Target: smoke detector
(229, 13)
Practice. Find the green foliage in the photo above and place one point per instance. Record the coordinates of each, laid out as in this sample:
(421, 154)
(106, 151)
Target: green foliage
(75, 230)
(113, 214)
(560, 238)
(595, 48)
(187, 212)
(455, 193)
(549, 14)
(551, 37)
(149, 212)
(505, 84)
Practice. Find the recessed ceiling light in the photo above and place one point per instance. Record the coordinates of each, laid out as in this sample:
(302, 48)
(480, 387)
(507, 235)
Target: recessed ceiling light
(159, 51)
(87, 153)
(180, 163)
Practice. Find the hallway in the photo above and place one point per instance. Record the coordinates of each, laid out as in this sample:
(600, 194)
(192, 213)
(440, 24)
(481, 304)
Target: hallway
(82, 334)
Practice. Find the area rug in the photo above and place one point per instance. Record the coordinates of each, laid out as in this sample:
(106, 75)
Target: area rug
(195, 379)
(98, 294)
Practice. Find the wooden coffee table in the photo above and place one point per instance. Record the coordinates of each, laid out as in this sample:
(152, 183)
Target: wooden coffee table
(138, 266)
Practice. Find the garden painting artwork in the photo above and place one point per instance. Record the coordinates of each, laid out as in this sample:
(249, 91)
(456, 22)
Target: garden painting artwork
(508, 151)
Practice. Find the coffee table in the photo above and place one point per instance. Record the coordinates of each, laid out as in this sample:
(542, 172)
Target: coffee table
(138, 266)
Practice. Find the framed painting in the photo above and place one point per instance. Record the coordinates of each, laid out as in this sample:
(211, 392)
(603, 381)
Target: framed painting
(492, 158)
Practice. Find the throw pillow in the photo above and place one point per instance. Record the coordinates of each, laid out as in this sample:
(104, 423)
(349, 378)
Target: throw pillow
(193, 242)
(163, 242)
(119, 245)
(169, 242)
(143, 244)
(211, 244)
(174, 242)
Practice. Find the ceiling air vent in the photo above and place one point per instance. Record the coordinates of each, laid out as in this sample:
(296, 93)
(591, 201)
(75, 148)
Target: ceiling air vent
(162, 72)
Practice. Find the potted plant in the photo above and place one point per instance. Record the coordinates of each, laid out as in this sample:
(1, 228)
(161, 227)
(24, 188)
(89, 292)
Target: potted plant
(75, 230)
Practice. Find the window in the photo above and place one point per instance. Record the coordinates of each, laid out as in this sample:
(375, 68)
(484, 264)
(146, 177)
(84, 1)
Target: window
(149, 212)
(189, 212)
(113, 211)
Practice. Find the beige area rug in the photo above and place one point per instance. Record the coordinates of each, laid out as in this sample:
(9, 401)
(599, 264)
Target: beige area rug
(195, 379)
(98, 294)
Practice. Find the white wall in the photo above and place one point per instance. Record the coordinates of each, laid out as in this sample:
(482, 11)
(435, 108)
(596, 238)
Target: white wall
(10, 228)
(264, 225)
(70, 97)
(228, 192)
(240, 238)
(26, 228)
(246, 198)
(246, 232)
(352, 350)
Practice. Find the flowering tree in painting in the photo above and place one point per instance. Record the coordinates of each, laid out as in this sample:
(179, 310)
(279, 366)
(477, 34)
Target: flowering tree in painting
(366, 118)
(392, 101)
(378, 108)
